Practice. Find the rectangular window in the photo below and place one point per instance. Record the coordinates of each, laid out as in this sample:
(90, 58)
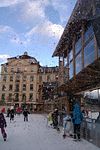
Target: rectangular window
(3, 88)
(17, 87)
(70, 56)
(17, 78)
(78, 46)
(89, 53)
(16, 97)
(71, 70)
(3, 97)
(40, 78)
(48, 78)
(24, 87)
(5, 69)
(11, 78)
(12, 69)
(78, 63)
(31, 87)
(4, 78)
(31, 97)
(18, 70)
(10, 87)
(89, 33)
(32, 69)
(24, 78)
(24, 97)
(31, 78)
(10, 97)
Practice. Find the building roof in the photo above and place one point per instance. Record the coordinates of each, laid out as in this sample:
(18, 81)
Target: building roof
(82, 13)
(24, 56)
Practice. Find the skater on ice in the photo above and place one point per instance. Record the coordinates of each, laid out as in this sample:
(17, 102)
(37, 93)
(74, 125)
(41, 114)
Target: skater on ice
(55, 117)
(12, 114)
(3, 125)
(49, 120)
(8, 112)
(25, 113)
(77, 118)
(66, 125)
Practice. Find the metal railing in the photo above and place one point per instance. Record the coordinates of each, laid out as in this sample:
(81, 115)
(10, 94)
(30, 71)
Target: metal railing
(90, 130)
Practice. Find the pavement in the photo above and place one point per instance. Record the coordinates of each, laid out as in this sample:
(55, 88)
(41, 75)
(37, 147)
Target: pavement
(36, 135)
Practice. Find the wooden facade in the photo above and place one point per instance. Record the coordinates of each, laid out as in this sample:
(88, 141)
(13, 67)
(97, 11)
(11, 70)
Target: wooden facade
(79, 44)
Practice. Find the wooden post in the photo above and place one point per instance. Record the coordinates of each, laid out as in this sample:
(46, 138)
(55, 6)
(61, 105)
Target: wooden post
(82, 35)
(95, 48)
(73, 49)
(68, 63)
(63, 65)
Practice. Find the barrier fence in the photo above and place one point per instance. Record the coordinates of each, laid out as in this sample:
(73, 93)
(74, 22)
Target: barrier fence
(91, 132)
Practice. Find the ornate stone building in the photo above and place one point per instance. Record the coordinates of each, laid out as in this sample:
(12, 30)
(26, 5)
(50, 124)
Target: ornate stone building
(21, 81)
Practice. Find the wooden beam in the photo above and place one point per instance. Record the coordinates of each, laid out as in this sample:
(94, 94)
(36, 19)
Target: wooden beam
(82, 35)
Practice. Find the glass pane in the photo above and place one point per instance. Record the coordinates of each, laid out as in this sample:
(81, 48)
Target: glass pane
(89, 53)
(78, 46)
(71, 70)
(31, 78)
(70, 55)
(88, 33)
(99, 52)
(78, 63)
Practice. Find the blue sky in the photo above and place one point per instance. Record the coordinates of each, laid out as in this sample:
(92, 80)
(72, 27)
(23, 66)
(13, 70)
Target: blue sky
(34, 26)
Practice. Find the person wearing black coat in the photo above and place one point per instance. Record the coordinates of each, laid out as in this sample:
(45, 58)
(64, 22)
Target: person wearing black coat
(55, 119)
(3, 125)
(25, 113)
(12, 115)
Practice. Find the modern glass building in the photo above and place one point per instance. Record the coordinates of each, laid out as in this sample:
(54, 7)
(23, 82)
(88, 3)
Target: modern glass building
(79, 46)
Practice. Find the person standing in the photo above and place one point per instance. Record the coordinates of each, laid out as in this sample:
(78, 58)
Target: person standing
(11, 115)
(66, 125)
(25, 113)
(77, 118)
(3, 125)
(55, 115)
(8, 112)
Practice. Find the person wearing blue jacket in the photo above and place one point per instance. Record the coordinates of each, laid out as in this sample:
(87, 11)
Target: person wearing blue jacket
(77, 118)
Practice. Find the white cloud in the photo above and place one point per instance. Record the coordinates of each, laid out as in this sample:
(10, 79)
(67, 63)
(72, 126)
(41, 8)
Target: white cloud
(3, 57)
(21, 41)
(32, 11)
(47, 29)
(4, 29)
(64, 8)
(6, 3)
(13, 36)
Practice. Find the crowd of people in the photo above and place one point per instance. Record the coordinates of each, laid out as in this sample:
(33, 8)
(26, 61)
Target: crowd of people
(71, 121)
(10, 113)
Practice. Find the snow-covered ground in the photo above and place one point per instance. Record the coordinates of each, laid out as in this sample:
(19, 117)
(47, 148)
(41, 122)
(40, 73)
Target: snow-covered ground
(35, 135)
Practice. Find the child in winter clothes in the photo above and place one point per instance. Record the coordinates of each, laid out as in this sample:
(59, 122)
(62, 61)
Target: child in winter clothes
(3, 125)
(66, 124)
(49, 119)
